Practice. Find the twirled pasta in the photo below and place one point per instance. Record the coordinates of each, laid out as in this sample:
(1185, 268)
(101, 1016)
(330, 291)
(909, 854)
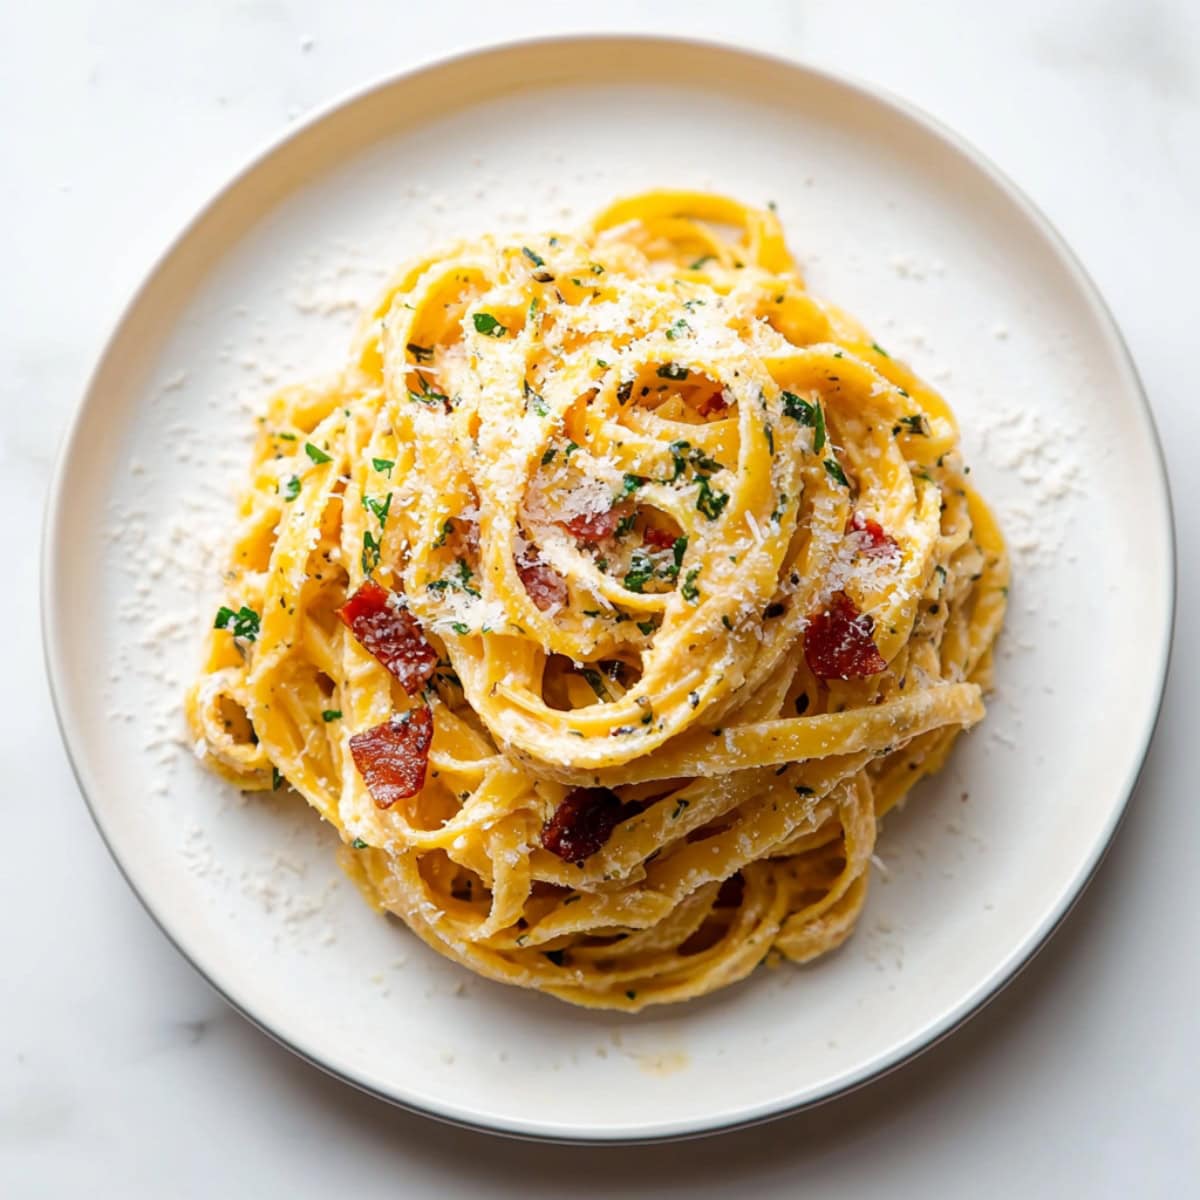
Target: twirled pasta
(700, 583)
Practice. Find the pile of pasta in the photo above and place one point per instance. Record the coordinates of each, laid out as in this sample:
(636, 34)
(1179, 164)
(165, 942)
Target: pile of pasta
(605, 602)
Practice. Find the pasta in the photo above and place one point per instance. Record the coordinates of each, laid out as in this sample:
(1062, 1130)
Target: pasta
(605, 602)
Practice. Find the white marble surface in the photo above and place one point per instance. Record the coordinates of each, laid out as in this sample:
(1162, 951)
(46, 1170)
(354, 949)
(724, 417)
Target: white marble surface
(121, 1073)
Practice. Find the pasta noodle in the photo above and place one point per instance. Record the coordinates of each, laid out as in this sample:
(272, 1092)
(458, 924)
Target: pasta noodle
(605, 602)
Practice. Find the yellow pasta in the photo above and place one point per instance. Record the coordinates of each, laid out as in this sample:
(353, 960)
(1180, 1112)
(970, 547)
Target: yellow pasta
(689, 589)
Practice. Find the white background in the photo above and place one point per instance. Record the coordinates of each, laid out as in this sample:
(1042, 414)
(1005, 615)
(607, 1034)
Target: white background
(121, 1073)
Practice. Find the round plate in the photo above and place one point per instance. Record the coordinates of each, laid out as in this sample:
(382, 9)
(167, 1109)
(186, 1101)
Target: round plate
(893, 219)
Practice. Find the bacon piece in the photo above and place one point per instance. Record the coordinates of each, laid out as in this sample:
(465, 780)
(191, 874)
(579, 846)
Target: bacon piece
(593, 526)
(546, 587)
(392, 634)
(660, 539)
(716, 403)
(838, 642)
(583, 822)
(392, 757)
(873, 541)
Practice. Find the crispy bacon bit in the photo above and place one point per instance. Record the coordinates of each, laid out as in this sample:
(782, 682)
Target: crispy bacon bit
(392, 757)
(593, 526)
(391, 633)
(546, 587)
(583, 822)
(872, 540)
(838, 642)
(716, 403)
(660, 539)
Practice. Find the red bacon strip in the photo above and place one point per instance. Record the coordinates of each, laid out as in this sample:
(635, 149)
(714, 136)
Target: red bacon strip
(392, 757)
(593, 526)
(873, 541)
(546, 587)
(660, 539)
(392, 634)
(838, 642)
(583, 822)
(716, 403)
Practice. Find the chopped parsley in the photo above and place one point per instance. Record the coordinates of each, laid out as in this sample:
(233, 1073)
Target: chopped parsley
(286, 437)
(548, 456)
(242, 624)
(641, 571)
(422, 354)
(647, 627)
(677, 329)
(596, 682)
(447, 530)
(880, 350)
(379, 508)
(571, 448)
(330, 714)
(533, 307)
(835, 472)
(699, 263)
(917, 424)
(383, 465)
(672, 371)
(460, 627)
(292, 488)
(277, 779)
(427, 395)
(709, 502)
(630, 484)
(534, 400)
(316, 453)
(689, 591)
(359, 844)
(486, 324)
(460, 584)
(770, 436)
(812, 415)
(370, 553)
(536, 259)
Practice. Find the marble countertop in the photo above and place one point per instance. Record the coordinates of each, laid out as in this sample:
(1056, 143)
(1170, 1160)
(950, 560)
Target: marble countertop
(122, 1073)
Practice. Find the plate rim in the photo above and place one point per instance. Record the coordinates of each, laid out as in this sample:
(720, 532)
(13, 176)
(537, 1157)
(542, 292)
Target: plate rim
(1003, 973)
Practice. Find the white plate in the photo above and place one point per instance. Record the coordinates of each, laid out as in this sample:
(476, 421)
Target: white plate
(894, 219)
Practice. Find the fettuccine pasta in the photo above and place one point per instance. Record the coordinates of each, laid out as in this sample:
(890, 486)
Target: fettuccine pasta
(605, 602)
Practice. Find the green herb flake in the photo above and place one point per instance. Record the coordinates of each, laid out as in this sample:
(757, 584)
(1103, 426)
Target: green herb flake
(699, 263)
(596, 682)
(370, 553)
(277, 779)
(536, 259)
(709, 502)
(486, 324)
(423, 354)
(880, 350)
(316, 453)
(812, 415)
(359, 844)
(427, 395)
(770, 436)
(460, 627)
(535, 401)
(835, 472)
(647, 627)
(548, 455)
(286, 437)
(917, 424)
(447, 530)
(383, 465)
(379, 508)
(292, 488)
(641, 571)
(689, 591)
(677, 329)
(630, 484)
(330, 714)
(242, 624)
(672, 371)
